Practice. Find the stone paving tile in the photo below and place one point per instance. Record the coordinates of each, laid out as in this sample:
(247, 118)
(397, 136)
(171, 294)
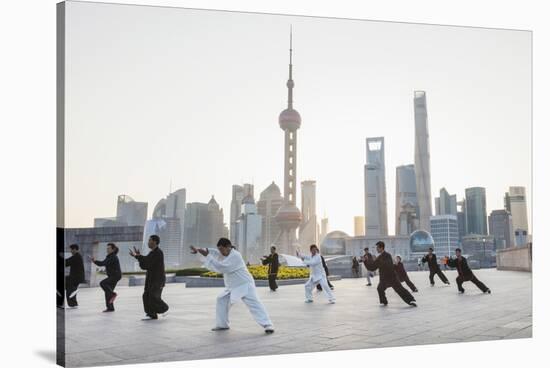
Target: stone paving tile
(356, 321)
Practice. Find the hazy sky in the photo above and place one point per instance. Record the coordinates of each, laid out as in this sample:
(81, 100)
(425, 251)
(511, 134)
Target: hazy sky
(160, 95)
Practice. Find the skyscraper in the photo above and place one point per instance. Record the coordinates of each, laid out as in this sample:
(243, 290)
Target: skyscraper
(203, 224)
(444, 230)
(358, 226)
(500, 226)
(324, 229)
(289, 216)
(132, 212)
(249, 232)
(309, 228)
(476, 211)
(461, 217)
(376, 213)
(238, 192)
(422, 160)
(445, 204)
(128, 213)
(406, 204)
(516, 204)
(269, 203)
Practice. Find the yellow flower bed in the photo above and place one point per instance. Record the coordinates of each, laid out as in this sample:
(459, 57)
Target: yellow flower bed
(259, 272)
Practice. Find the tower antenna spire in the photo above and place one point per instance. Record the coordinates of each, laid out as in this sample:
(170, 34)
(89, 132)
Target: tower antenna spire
(290, 82)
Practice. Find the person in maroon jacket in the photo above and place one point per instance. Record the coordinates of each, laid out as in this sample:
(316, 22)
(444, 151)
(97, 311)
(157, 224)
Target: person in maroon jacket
(465, 273)
(402, 274)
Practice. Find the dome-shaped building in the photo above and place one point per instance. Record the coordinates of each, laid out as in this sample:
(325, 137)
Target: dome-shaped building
(334, 243)
(420, 241)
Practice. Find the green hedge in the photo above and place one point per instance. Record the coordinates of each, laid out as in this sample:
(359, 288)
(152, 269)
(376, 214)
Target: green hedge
(197, 271)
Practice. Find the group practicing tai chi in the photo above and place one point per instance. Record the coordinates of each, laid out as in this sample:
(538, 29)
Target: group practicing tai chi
(239, 284)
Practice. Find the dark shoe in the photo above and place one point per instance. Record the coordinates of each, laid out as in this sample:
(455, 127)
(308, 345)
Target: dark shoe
(415, 291)
(269, 329)
(432, 285)
(369, 284)
(461, 291)
(149, 318)
(108, 310)
(384, 304)
(220, 328)
(488, 291)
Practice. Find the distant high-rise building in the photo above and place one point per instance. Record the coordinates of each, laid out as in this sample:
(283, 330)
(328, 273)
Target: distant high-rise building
(406, 204)
(461, 217)
(237, 195)
(203, 224)
(445, 204)
(500, 226)
(166, 213)
(169, 230)
(309, 228)
(128, 213)
(324, 229)
(376, 214)
(132, 212)
(516, 203)
(476, 211)
(269, 203)
(359, 226)
(444, 230)
(289, 216)
(249, 231)
(422, 160)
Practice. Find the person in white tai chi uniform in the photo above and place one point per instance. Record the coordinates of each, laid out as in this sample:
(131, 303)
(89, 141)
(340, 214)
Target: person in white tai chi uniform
(239, 284)
(317, 275)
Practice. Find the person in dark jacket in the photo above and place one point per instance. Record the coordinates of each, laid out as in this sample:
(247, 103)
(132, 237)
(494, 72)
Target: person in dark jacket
(402, 274)
(355, 267)
(431, 259)
(366, 256)
(465, 273)
(76, 275)
(272, 261)
(388, 277)
(155, 278)
(114, 274)
(319, 287)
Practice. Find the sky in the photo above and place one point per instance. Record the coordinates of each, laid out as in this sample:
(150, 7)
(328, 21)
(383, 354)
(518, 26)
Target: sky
(167, 98)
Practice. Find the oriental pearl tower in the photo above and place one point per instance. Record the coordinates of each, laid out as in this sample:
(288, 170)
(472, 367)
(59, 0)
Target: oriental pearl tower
(289, 216)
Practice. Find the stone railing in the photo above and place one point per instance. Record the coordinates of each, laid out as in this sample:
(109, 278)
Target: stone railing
(515, 259)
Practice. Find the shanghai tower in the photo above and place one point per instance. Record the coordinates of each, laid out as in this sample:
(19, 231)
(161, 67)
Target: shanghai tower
(289, 216)
(422, 161)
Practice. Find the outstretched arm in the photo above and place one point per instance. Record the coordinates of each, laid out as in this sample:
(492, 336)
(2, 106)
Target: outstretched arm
(229, 264)
(312, 261)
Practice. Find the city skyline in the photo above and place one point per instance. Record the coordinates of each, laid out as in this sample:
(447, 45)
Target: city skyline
(469, 160)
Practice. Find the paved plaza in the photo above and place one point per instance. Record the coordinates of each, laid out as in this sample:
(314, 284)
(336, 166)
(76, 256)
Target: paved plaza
(356, 321)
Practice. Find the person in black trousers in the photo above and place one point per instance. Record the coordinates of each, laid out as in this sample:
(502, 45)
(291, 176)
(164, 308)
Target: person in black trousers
(388, 277)
(155, 279)
(272, 261)
(76, 275)
(431, 259)
(319, 287)
(402, 274)
(465, 273)
(114, 274)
